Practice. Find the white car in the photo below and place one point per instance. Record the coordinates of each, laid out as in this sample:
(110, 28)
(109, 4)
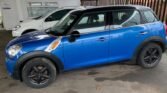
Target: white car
(40, 23)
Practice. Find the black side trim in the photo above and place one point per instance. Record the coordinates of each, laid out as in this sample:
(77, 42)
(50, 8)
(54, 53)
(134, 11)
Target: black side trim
(154, 39)
(22, 60)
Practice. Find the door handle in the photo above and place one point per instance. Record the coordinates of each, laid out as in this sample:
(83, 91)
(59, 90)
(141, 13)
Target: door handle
(102, 39)
(143, 32)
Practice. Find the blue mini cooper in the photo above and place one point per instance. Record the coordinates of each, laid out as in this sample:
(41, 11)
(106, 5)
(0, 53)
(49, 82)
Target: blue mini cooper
(87, 37)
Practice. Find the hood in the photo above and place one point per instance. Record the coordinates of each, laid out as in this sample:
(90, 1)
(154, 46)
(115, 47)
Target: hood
(30, 37)
(30, 21)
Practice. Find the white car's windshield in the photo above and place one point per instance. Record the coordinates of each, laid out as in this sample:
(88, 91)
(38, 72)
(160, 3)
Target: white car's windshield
(41, 16)
(63, 24)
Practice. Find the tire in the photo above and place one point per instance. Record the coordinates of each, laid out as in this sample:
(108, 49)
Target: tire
(150, 56)
(39, 73)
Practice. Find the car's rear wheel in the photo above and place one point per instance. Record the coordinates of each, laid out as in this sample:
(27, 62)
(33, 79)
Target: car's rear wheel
(39, 73)
(150, 55)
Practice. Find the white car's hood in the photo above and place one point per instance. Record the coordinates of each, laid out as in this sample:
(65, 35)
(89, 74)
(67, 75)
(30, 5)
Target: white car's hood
(29, 22)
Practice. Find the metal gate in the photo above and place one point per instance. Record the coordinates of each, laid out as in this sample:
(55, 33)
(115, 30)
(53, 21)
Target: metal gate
(159, 6)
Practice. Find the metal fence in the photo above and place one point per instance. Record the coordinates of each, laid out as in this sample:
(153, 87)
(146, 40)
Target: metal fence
(159, 6)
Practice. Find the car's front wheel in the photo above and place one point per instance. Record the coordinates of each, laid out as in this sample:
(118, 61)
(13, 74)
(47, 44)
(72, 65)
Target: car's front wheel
(39, 73)
(150, 55)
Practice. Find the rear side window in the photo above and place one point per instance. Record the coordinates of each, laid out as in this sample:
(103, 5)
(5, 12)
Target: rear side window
(149, 16)
(126, 18)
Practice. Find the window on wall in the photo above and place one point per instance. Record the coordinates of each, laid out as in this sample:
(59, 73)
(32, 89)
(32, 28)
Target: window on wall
(36, 9)
(51, 3)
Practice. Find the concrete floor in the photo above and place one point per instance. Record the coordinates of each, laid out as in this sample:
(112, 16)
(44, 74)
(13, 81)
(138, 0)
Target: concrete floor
(114, 78)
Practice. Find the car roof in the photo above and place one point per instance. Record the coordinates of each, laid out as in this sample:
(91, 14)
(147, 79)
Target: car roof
(112, 7)
(139, 7)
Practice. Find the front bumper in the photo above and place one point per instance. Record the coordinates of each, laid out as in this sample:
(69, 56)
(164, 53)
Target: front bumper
(16, 33)
(10, 66)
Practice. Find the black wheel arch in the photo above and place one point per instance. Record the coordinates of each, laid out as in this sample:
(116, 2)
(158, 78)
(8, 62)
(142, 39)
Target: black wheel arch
(23, 60)
(29, 30)
(156, 39)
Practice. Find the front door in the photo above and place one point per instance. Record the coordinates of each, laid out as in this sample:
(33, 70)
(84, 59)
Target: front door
(92, 47)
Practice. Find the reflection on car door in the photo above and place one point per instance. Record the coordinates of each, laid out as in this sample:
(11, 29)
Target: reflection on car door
(92, 47)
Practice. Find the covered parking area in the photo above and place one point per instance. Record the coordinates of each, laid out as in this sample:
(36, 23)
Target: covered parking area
(113, 78)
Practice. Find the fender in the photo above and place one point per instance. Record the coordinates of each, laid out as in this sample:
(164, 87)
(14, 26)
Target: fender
(154, 39)
(23, 59)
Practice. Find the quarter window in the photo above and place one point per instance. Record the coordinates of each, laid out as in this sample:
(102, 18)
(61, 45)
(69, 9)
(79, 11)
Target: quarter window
(149, 16)
(126, 18)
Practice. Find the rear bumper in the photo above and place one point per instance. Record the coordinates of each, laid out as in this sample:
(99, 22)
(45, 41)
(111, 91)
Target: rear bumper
(166, 43)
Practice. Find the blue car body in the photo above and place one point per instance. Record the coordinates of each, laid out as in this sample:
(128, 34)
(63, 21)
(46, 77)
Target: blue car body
(89, 49)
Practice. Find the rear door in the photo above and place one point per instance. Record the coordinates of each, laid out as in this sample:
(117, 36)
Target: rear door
(156, 27)
(126, 34)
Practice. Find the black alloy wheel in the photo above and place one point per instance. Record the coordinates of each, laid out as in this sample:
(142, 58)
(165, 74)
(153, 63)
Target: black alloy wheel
(39, 73)
(150, 55)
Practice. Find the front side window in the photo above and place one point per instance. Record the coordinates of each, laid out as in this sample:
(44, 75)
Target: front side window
(57, 15)
(63, 24)
(91, 23)
(149, 16)
(125, 18)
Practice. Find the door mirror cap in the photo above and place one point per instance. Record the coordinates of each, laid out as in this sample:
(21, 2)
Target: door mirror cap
(73, 36)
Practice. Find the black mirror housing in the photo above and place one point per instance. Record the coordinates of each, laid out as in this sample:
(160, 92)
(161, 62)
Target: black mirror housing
(73, 36)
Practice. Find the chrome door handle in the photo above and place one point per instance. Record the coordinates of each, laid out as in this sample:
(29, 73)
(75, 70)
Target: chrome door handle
(143, 33)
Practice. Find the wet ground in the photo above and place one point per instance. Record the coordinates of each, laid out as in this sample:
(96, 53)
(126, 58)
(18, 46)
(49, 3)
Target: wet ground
(114, 78)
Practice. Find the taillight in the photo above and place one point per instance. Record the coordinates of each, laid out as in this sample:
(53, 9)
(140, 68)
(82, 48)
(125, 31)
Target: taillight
(166, 28)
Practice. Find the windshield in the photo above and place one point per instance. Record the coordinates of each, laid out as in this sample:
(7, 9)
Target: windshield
(40, 17)
(63, 24)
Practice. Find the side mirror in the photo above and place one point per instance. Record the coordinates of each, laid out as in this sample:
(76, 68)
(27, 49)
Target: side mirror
(73, 36)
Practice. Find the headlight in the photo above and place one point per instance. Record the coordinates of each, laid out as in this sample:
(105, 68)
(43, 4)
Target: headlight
(16, 27)
(14, 50)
